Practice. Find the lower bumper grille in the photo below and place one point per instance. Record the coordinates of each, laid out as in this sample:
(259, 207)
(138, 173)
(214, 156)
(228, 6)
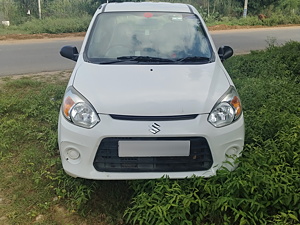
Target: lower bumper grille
(107, 159)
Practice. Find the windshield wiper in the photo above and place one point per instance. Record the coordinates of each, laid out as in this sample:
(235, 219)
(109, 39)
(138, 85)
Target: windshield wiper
(144, 59)
(110, 61)
(194, 59)
(136, 59)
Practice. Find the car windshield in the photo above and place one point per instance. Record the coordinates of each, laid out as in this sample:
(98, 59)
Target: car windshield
(158, 37)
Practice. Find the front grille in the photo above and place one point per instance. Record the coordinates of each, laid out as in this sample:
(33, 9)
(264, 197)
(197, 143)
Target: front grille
(107, 159)
(154, 118)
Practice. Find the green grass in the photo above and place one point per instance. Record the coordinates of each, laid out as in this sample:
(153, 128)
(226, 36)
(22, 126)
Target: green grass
(49, 25)
(264, 189)
(11, 30)
(32, 180)
(57, 25)
(274, 20)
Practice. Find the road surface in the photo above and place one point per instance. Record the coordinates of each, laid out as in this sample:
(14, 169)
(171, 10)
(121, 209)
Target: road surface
(246, 40)
(34, 56)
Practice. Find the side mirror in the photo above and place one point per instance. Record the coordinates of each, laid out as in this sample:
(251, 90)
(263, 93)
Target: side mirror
(225, 52)
(69, 52)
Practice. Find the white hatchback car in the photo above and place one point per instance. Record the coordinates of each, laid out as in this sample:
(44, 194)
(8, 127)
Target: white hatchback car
(148, 97)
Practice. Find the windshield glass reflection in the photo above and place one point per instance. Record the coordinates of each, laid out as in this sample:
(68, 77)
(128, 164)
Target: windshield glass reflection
(162, 35)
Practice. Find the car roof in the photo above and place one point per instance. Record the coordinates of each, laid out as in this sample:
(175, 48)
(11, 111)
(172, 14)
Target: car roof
(146, 6)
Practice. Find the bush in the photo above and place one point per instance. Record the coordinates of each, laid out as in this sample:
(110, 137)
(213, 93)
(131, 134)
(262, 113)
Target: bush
(265, 188)
(280, 19)
(57, 25)
(273, 20)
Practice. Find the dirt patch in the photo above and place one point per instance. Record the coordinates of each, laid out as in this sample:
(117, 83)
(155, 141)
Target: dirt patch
(39, 36)
(231, 27)
(234, 27)
(3, 204)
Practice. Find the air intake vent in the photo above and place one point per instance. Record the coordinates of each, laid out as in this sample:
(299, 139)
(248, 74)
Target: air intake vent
(107, 159)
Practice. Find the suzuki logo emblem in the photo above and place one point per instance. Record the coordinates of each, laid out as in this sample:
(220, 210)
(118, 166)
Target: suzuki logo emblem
(154, 128)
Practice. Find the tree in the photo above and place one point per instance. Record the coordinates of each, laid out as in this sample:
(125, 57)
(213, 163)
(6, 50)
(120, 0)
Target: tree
(289, 6)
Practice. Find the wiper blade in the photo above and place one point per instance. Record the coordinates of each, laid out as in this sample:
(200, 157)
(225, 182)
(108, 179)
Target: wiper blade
(110, 62)
(156, 59)
(144, 59)
(194, 59)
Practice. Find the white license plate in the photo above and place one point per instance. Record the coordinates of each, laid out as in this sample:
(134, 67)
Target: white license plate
(153, 148)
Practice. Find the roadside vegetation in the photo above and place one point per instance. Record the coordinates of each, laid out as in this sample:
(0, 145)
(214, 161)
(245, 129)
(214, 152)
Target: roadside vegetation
(66, 16)
(264, 189)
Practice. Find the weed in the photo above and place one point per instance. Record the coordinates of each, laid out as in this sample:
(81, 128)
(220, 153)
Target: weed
(265, 188)
(31, 173)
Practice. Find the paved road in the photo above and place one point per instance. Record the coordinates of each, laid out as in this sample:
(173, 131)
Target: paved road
(245, 40)
(34, 56)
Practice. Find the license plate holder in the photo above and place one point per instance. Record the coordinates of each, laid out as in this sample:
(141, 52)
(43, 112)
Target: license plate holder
(155, 148)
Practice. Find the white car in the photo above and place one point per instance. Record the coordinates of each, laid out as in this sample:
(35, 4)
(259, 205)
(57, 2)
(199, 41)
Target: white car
(149, 97)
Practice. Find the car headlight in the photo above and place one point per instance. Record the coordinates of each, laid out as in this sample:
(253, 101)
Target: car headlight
(227, 109)
(78, 110)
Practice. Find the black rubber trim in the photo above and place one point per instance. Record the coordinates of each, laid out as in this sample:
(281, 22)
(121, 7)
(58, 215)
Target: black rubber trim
(154, 118)
(190, 9)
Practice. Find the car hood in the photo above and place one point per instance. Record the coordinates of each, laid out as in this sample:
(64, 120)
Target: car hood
(151, 90)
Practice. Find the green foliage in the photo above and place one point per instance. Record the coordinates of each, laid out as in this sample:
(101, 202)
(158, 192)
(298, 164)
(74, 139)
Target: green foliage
(28, 114)
(281, 19)
(167, 202)
(273, 20)
(75, 191)
(213, 11)
(49, 25)
(68, 8)
(29, 155)
(31, 107)
(16, 11)
(57, 25)
(265, 188)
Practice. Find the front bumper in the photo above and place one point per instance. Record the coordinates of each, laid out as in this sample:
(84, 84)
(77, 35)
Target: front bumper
(224, 144)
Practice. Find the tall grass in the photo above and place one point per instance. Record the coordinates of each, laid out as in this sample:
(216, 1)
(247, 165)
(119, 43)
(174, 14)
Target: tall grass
(49, 25)
(32, 180)
(273, 20)
(265, 188)
(57, 25)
